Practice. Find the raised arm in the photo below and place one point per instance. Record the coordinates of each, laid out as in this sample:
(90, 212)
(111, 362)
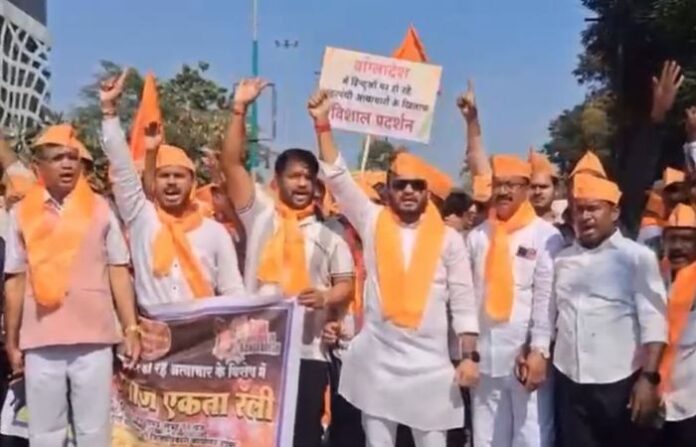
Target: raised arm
(128, 190)
(239, 184)
(352, 201)
(153, 139)
(475, 157)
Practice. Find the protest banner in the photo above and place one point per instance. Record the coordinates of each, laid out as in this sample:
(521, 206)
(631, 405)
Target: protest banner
(218, 372)
(378, 95)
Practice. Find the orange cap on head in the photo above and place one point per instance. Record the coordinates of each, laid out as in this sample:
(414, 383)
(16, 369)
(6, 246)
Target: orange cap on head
(62, 135)
(589, 163)
(173, 156)
(541, 165)
(408, 165)
(588, 186)
(482, 187)
(683, 216)
(671, 176)
(510, 166)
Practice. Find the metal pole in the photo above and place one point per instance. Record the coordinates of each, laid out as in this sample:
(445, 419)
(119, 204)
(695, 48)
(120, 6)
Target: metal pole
(254, 117)
(366, 152)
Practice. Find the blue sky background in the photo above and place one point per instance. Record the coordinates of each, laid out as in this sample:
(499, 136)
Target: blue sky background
(520, 54)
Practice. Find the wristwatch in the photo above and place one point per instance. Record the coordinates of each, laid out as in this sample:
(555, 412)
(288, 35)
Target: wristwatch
(653, 377)
(473, 356)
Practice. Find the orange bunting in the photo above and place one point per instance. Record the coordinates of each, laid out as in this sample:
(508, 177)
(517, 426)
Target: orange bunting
(411, 48)
(148, 112)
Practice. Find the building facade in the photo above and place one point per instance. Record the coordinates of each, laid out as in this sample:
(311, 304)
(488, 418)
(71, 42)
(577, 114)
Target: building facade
(24, 73)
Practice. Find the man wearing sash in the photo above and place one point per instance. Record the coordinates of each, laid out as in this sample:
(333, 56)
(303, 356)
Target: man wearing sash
(678, 368)
(67, 272)
(290, 250)
(397, 369)
(611, 327)
(178, 253)
(512, 257)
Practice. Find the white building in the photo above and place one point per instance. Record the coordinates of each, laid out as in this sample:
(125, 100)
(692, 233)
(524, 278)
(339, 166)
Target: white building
(24, 74)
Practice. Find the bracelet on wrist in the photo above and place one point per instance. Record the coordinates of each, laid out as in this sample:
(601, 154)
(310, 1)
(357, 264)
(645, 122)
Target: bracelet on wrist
(132, 328)
(322, 126)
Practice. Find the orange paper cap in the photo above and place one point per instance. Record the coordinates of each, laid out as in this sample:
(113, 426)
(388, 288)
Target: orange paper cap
(173, 156)
(589, 163)
(482, 188)
(62, 135)
(683, 216)
(671, 176)
(588, 186)
(510, 166)
(411, 166)
(541, 164)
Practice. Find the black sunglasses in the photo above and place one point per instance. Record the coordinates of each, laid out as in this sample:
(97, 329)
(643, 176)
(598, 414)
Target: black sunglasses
(417, 184)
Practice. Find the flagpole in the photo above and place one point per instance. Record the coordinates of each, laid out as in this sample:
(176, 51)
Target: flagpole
(254, 118)
(366, 153)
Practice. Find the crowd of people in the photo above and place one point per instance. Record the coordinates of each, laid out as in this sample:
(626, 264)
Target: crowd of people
(519, 313)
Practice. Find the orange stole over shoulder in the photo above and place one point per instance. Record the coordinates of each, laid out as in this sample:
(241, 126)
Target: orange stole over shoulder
(283, 259)
(171, 242)
(50, 267)
(681, 300)
(500, 282)
(404, 290)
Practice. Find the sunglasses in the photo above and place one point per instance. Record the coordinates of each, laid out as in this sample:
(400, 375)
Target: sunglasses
(402, 184)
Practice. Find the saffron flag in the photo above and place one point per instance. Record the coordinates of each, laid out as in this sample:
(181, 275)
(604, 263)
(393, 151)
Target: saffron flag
(148, 112)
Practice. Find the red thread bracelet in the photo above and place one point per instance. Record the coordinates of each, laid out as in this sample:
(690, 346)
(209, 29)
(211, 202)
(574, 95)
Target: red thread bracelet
(322, 127)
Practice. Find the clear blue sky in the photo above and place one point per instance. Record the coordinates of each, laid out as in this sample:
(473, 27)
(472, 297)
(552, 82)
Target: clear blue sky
(520, 54)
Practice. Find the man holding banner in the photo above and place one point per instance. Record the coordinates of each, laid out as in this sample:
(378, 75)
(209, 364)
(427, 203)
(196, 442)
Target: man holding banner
(292, 251)
(178, 254)
(398, 369)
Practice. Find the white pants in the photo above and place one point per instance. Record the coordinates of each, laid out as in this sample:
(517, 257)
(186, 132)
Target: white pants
(382, 433)
(506, 415)
(76, 377)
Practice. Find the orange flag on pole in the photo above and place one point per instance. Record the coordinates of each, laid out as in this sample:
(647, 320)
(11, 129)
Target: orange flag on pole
(148, 112)
(411, 48)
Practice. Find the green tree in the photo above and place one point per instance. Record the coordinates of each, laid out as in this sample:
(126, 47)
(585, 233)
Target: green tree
(379, 156)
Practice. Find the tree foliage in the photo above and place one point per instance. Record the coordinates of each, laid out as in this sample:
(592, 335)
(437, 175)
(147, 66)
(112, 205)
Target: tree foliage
(379, 157)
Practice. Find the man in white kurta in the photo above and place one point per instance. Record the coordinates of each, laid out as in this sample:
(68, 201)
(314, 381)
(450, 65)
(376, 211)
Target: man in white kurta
(395, 374)
(678, 369)
(510, 407)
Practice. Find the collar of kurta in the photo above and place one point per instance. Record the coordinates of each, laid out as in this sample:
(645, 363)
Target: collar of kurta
(612, 241)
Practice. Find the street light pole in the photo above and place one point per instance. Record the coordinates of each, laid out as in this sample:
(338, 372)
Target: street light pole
(252, 161)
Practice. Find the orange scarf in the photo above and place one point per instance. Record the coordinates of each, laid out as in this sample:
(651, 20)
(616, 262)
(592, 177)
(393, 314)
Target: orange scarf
(52, 244)
(283, 258)
(404, 290)
(681, 300)
(355, 245)
(171, 242)
(500, 282)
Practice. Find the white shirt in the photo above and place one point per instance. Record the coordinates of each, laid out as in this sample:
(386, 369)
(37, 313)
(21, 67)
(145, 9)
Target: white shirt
(532, 249)
(210, 242)
(402, 374)
(327, 255)
(610, 301)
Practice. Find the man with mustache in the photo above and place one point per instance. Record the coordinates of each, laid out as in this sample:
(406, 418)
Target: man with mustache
(398, 369)
(679, 361)
(290, 251)
(513, 270)
(178, 254)
(611, 327)
(66, 275)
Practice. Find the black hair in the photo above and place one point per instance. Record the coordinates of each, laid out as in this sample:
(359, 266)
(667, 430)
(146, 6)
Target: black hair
(296, 155)
(457, 203)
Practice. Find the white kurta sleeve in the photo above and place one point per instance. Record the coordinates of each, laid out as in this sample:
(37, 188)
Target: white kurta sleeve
(651, 297)
(228, 279)
(259, 205)
(543, 310)
(15, 251)
(128, 189)
(352, 201)
(462, 302)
